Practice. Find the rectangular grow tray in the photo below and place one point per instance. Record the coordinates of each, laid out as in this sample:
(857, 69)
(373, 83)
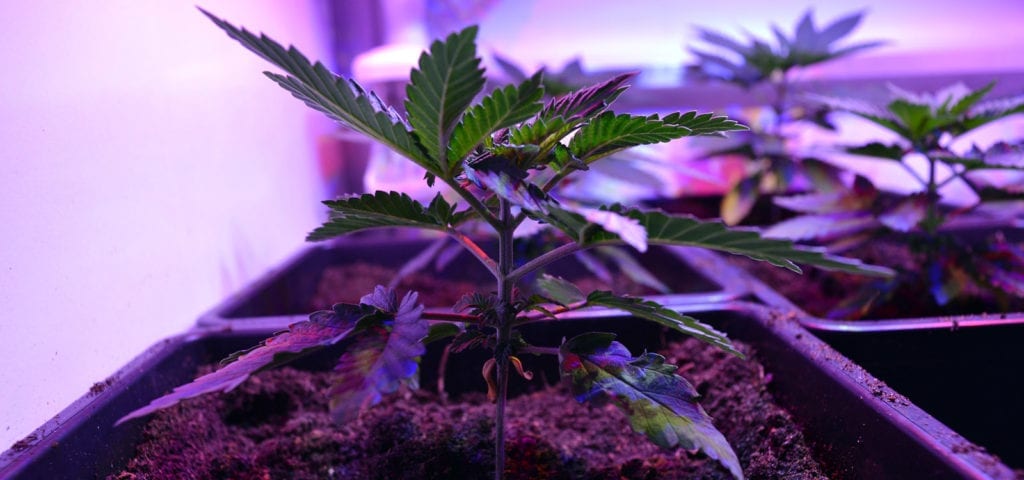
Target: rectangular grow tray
(963, 370)
(285, 295)
(849, 417)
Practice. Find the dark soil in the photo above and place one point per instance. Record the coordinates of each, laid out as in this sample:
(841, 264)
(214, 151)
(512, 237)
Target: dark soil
(347, 283)
(276, 426)
(817, 291)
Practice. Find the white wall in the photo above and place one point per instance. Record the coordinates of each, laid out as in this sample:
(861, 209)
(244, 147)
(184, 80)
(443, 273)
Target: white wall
(148, 169)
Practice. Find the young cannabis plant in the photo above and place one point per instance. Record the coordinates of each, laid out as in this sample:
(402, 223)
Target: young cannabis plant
(502, 156)
(772, 165)
(927, 124)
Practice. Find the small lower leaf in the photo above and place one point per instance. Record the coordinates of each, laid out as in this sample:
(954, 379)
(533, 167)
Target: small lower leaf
(322, 329)
(382, 358)
(660, 404)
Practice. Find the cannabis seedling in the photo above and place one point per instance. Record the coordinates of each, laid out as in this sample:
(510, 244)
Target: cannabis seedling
(502, 156)
(927, 125)
(759, 63)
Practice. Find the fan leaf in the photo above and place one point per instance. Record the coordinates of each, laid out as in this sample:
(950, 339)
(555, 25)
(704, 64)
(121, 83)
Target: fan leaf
(609, 133)
(660, 404)
(448, 78)
(503, 108)
(383, 209)
(340, 99)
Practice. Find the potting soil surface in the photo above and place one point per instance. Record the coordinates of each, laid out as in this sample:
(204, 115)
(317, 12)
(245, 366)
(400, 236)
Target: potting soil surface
(276, 425)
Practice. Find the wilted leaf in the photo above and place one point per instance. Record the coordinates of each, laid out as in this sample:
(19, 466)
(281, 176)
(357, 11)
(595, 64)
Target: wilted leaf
(660, 404)
(383, 357)
(323, 328)
(740, 199)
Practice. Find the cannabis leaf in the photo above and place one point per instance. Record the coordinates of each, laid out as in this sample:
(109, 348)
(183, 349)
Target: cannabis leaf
(503, 108)
(384, 356)
(660, 404)
(658, 313)
(341, 99)
(323, 328)
(440, 90)
(609, 133)
(384, 209)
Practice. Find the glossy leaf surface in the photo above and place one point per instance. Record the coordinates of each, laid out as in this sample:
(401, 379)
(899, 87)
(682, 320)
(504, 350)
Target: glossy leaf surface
(660, 404)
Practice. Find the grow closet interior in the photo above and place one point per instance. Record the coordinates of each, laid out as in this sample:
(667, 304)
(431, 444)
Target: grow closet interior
(157, 185)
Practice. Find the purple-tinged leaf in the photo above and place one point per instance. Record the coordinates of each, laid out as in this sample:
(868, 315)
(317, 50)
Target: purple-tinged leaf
(323, 328)
(660, 404)
(824, 227)
(628, 229)
(907, 214)
(586, 102)
(382, 358)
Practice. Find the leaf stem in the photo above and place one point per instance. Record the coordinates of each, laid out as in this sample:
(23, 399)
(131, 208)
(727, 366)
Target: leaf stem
(474, 202)
(449, 317)
(475, 249)
(544, 260)
(539, 350)
(534, 317)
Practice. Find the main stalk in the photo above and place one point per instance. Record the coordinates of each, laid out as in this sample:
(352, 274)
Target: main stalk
(506, 315)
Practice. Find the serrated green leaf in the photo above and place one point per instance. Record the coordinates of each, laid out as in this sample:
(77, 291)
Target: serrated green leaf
(655, 312)
(560, 290)
(439, 91)
(503, 108)
(609, 133)
(341, 99)
(379, 210)
(685, 230)
(704, 124)
(660, 404)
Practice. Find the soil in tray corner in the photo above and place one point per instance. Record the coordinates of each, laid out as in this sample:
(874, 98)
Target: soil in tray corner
(276, 426)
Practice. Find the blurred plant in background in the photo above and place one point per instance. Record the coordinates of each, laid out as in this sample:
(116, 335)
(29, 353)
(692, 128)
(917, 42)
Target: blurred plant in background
(756, 64)
(927, 124)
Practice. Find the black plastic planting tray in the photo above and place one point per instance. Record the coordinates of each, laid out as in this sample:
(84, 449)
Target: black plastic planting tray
(283, 296)
(858, 427)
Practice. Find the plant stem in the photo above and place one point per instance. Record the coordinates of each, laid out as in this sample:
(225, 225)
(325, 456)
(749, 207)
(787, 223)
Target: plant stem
(475, 249)
(540, 350)
(474, 202)
(545, 259)
(506, 316)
